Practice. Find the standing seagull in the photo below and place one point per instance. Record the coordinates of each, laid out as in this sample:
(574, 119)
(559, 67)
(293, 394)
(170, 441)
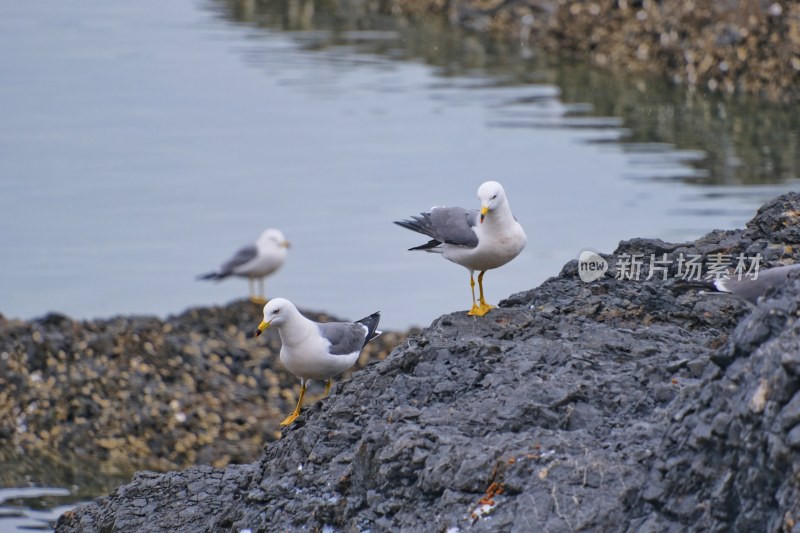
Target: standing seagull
(478, 240)
(313, 350)
(255, 261)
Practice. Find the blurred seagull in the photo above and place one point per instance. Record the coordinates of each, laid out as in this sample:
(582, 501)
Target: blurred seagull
(747, 288)
(313, 350)
(476, 239)
(255, 261)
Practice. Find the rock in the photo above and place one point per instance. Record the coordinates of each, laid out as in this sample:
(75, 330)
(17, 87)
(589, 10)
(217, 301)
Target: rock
(738, 477)
(527, 420)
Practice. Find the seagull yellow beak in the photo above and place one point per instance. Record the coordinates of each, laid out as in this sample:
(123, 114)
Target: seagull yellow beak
(484, 210)
(261, 327)
(286, 244)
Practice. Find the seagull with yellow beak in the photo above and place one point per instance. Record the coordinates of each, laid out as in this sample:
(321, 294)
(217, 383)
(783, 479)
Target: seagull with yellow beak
(315, 350)
(475, 239)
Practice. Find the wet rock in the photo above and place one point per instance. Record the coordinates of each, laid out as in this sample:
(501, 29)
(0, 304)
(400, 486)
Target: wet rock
(572, 406)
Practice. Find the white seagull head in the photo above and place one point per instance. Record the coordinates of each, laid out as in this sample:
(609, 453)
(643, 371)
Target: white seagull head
(272, 239)
(492, 195)
(276, 312)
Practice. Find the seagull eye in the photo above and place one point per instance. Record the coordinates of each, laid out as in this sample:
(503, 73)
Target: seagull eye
(494, 196)
(277, 311)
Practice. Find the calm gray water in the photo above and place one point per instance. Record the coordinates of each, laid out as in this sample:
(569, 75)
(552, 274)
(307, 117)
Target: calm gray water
(35, 489)
(28, 509)
(142, 142)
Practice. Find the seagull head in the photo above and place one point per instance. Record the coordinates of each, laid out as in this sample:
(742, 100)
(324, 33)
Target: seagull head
(491, 195)
(272, 238)
(275, 313)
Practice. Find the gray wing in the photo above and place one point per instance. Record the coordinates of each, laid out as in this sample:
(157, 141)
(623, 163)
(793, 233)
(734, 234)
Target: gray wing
(453, 225)
(244, 255)
(752, 289)
(345, 337)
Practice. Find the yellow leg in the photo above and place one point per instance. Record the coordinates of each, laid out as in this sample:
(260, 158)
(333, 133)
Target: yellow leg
(291, 418)
(328, 386)
(255, 298)
(475, 311)
(484, 306)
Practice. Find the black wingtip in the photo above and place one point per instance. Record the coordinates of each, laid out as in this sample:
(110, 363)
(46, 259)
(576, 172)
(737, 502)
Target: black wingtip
(431, 244)
(213, 276)
(371, 323)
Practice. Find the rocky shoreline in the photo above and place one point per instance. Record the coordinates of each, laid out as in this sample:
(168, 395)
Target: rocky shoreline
(613, 405)
(141, 392)
(748, 47)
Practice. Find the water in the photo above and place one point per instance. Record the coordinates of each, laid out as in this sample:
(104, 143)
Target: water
(142, 143)
(35, 488)
(18, 509)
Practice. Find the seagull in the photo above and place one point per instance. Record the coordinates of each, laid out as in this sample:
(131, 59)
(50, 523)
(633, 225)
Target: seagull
(313, 350)
(255, 261)
(750, 289)
(475, 239)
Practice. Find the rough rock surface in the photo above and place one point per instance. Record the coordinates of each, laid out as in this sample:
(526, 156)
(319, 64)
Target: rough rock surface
(613, 405)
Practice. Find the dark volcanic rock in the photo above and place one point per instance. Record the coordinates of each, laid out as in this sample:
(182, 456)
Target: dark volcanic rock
(731, 462)
(574, 406)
